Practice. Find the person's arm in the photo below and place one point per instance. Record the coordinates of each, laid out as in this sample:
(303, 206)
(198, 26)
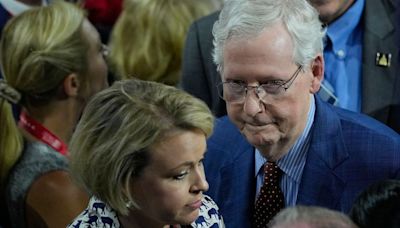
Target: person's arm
(54, 200)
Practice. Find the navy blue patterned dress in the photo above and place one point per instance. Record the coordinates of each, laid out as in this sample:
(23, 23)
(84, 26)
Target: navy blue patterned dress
(98, 214)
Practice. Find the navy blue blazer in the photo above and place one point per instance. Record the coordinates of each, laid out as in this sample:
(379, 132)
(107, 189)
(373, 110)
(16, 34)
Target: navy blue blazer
(348, 152)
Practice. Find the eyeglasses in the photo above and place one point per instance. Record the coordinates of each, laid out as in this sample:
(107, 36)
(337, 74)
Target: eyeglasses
(233, 91)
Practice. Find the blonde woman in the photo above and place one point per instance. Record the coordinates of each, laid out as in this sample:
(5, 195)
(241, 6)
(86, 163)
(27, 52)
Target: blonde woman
(139, 149)
(52, 63)
(147, 39)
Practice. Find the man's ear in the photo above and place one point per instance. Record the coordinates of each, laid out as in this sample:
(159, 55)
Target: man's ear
(317, 70)
(71, 85)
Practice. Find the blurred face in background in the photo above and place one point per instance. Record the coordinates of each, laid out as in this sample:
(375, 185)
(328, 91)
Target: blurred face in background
(330, 10)
(97, 68)
(170, 188)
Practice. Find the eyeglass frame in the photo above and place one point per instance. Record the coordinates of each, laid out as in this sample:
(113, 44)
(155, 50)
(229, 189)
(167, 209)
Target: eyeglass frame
(259, 88)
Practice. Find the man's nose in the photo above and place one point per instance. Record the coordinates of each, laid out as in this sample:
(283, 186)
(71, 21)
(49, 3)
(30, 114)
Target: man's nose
(252, 103)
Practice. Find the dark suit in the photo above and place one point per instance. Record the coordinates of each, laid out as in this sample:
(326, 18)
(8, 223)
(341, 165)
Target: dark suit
(379, 84)
(380, 98)
(199, 73)
(348, 152)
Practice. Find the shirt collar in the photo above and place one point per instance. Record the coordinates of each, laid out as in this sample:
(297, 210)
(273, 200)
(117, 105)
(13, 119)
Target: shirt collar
(293, 162)
(341, 29)
(15, 7)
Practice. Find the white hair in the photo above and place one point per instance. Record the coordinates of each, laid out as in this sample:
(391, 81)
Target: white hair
(248, 18)
(312, 216)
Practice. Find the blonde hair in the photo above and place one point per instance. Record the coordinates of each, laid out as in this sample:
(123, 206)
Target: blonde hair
(38, 49)
(148, 38)
(110, 145)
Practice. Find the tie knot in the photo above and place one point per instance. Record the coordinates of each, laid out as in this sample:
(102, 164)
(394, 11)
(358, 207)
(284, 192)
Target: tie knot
(272, 173)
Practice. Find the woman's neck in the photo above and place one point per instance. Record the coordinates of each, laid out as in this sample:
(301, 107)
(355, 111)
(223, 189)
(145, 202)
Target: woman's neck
(59, 118)
(138, 220)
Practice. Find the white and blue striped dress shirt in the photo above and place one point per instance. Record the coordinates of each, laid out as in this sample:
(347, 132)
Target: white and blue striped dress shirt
(292, 164)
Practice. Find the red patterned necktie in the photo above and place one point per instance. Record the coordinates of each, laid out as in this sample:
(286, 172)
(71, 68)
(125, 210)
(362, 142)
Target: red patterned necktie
(270, 200)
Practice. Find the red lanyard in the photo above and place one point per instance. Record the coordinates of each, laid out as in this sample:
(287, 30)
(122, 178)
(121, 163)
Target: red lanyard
(41, 133)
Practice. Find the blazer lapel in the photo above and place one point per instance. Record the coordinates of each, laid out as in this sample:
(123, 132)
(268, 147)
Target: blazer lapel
(320, 184)
(238, 185)
(378, 83)
(232, 180)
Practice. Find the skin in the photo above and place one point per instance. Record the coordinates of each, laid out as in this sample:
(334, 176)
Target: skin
(330, 10)
(54, 200)
(171, 187)
(272, 126)
(97, 67)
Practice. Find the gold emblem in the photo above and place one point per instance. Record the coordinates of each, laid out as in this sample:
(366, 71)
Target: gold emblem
(383, 59)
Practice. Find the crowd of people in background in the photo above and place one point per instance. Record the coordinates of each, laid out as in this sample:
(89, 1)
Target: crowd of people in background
(155, 54)
(211, 113)
(52, 62)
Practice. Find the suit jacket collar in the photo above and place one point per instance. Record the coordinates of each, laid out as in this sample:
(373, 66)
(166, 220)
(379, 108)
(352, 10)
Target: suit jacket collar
(236, 185)
(378, 21)
(321, 184)
(378, 83)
